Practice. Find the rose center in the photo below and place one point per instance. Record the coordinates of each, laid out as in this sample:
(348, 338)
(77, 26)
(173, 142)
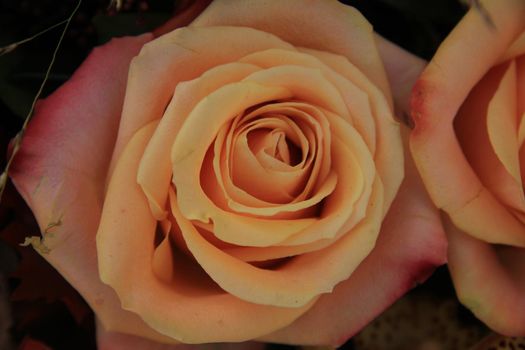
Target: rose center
(276, 144)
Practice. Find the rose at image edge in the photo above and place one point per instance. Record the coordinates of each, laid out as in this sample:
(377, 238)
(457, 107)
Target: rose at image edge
(62, 166)
(469, 113)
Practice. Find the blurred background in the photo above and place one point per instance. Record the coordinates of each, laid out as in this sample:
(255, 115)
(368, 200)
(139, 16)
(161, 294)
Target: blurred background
(39, 310)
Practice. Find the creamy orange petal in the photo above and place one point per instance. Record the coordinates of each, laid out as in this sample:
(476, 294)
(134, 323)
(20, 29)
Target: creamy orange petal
(520, 70)
(240, 201)
(257, 180)
(516, 49)
(197, 50)
(308, 85)
(437, 96)
(325, 190)
(502, 126)
(269, 140)
(472, 129)
(472, 263)
(155, 169)
(191, 302)
(522, 165)
(272, 149)
(302, 174)
(354, 98)
(296, 283)
(290, 20)
(502, 123)
(215, 174)
(252, 254)
(520, 67)
(314, 166)
(486, 219)
(355, 144)
(389, 151)
(188, 153)
(162, 260)
(247, 171)
(348, 203)
(521, 131)
(228, 227)
(341, 204)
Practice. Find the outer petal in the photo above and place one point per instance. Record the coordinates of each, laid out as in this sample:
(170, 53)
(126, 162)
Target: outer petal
(410, 245)
(402, 69)
(75, 128)
(196, 49)
(60, 171)
(489, 280)
(438, 94)
(291, 19)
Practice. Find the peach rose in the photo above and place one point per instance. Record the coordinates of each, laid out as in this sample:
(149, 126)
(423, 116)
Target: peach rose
(468, 143)
(237, 180)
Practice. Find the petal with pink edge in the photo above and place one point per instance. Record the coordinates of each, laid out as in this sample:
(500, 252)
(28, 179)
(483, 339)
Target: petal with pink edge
(61, 179)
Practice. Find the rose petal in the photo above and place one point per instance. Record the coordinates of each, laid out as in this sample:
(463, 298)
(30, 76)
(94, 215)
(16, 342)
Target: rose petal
(355, 99)
(248, 163)
(520, 68)
(191, 302)
(500, 303)
(188, 154)
(253, 254)
(60, 172)
(162, 261)
(521, 133)
(233, 228)
(444, 85)
(155, 169)
(298, 282)
(347, 204)
(195, 49)
(389, 151)
(410, 244)
(290, 21)
(313, 168)
(520, 64)
(306, 85)
(502, 123)
(473, 125)
(516, 49)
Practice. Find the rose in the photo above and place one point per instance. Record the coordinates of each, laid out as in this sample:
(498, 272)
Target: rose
(232, 260)
(468, 145)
